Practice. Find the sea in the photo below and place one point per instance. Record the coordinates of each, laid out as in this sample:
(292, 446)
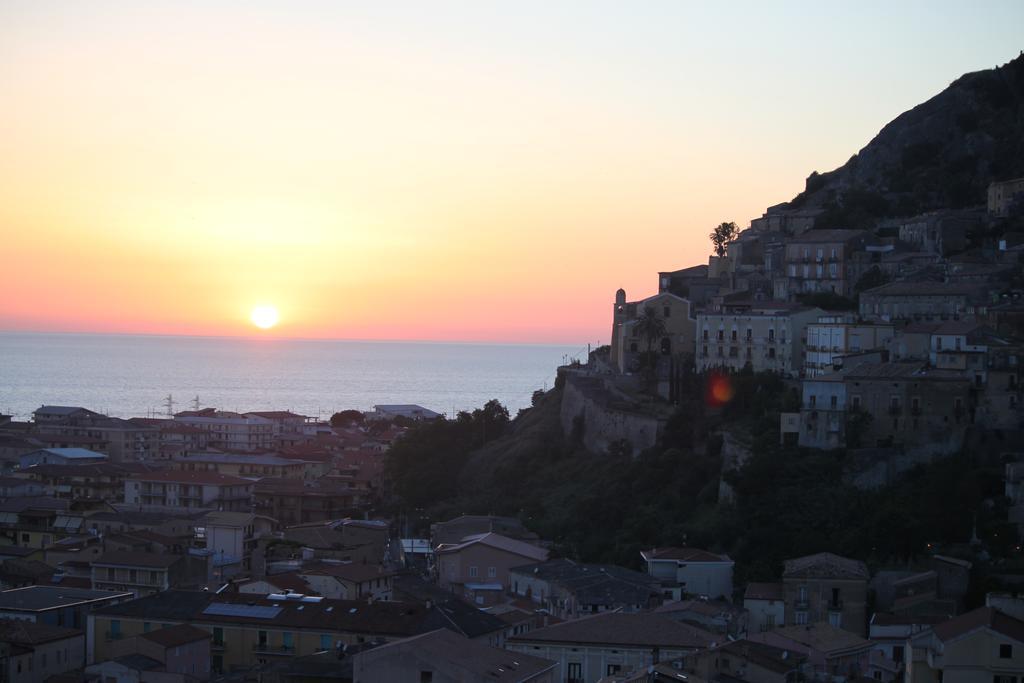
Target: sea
(135, 375)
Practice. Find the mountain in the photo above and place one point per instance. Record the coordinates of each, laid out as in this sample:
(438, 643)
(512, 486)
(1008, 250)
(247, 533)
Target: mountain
(943, 153)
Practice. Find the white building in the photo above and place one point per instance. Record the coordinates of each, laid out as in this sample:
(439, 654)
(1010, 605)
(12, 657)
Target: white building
(766, 336)
(766, 605)
(232, 430)
(832, 337)
(690, 571)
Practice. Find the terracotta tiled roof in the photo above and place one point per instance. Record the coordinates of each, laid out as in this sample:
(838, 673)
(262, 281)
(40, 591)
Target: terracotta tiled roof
(763, 591)
(501, 543)
(983, 617)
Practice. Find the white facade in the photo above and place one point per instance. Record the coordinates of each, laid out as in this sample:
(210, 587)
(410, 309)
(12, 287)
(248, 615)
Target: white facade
(832, 337)
(231, 430)
(764, 615)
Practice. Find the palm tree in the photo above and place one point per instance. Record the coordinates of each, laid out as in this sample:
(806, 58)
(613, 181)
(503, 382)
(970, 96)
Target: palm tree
(651, 327)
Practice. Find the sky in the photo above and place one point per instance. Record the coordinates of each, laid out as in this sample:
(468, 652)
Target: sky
(440, 171)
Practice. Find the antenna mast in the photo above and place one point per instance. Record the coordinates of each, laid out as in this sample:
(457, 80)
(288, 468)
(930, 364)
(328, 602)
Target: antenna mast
(169, 404)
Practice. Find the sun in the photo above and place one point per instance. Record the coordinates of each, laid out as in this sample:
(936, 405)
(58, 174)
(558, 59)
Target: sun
(264, 317)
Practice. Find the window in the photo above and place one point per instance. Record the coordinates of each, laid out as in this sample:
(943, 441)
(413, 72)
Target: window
(574, 674)
(801, 618)
(855, 402)
(835, 619)
(492, 572)
(721, 335)
(115, 629)
(667, 312)
(834, 402)
(771, 335)
(426, 677)
(705, 335)
(814, 400)
(1005, 651)
(287, 641)
(474, 572)
(771, 353)
(218, 635)
(325, 642)
(614, 669)
(145, 627)
(733, 336)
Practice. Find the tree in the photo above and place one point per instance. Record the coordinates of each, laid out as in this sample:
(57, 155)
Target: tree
(346, 417)
(651, 327)
(722, 235)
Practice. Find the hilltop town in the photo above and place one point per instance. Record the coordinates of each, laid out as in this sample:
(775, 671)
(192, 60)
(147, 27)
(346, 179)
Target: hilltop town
(800, 461)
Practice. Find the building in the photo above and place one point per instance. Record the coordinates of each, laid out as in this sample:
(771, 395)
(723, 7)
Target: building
(938, 232)
(61, 456)
(832, 337)
(247, 433)
(232, 538)
(59, 414)
(441, 656)
(17, 487)
(568, 589)
(56, 605)
(886, 404)
(290, 428)
(173, 654)
(982, 645)
(478, 566)
(766, 606)
(188, 490)
(826, 588)
(122, 440)
(923, 301)
(748, 660)
(690, 571)
(821, 261)
(297, 501)
(249, 630)
(764, 336)
(454, 530)
(628, 341)
(1005, 198)
(32, 653)
(349, 580)
(252, 466)
(143, 573)
(832, 653)
(593, 647)
(890, 632)
(715, 616)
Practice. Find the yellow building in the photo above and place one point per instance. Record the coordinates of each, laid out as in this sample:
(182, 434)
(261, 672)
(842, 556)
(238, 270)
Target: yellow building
(982, 645)
(628, 342)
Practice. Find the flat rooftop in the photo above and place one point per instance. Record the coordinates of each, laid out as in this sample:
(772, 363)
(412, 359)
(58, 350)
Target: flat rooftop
(41, 598)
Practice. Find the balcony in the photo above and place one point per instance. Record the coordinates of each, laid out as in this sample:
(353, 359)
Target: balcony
(835, 606)
(799, 604)
(268, 649)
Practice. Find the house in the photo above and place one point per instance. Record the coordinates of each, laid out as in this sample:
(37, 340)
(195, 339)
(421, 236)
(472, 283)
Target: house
(766, 336)
(297, 501)
(766, 606)
(189, 490)
(749, 660)
(32, 652)
(409, 411)
(830, 651)
(234, 431)
(826, 588)
(612, 643)
(821, 261)
(100, 481)
(61, 456)
(142, 573)
(454, 530)
(172, 654)
(981, 645)
(568, 589)
(232, 537)
(890, 632)
(56, 605)
(248, 630)
(690, 571)
(58, 414)
(478, 566)
(18, 487)
(923, 301)
(349, 580)
(1005, 197)
(122, 440)
(445, 656)
(290, 428)
(714, 616)
(832, 337)
(251, 465)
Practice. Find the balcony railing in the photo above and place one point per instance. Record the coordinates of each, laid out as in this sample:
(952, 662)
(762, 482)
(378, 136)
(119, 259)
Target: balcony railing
(268, 649)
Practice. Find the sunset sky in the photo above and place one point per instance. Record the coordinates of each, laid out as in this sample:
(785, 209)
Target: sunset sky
(427, 170)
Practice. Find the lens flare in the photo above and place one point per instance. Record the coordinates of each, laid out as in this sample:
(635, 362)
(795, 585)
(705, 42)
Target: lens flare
(719, 390)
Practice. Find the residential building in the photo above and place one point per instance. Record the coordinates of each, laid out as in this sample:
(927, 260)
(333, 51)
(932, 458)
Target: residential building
(568, 589)
(290, 428)
(628, 341)
(248, 630)
(593, 647)
(749, 660)
(982, 645)
(122, 440)
(348, 580)
(172, 654)
(252, 466)
(766, 605)
(821, 261)
(923, 301)
(297, 501)
(715, 616)
(61, 456)
(56, 605)
(764, 336)
(890, 632)
(18, 487)
(246, 433)
(826, 588)
(37, 522)
(142, 573)
(832, 653)
(1006, 197)
(478, 566)
(100, 481)
(232, 537)
(189, 490)
(442, 656)
(32, 653)
(690, 571)
(832, 337)
(909, 404)
(454, 530)
(59, 414)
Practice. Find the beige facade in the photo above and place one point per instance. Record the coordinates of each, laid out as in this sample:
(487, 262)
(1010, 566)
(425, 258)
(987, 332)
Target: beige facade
(628, 343)
(981, 646)
(768, 337)
(1003, 195)
(483, 560)
(820, 261)
(826, 588)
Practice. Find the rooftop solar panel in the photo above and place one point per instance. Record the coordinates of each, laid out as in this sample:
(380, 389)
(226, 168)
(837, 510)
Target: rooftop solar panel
(228, 609)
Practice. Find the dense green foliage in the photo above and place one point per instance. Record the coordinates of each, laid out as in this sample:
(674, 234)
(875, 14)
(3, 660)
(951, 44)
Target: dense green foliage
(606, 508)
